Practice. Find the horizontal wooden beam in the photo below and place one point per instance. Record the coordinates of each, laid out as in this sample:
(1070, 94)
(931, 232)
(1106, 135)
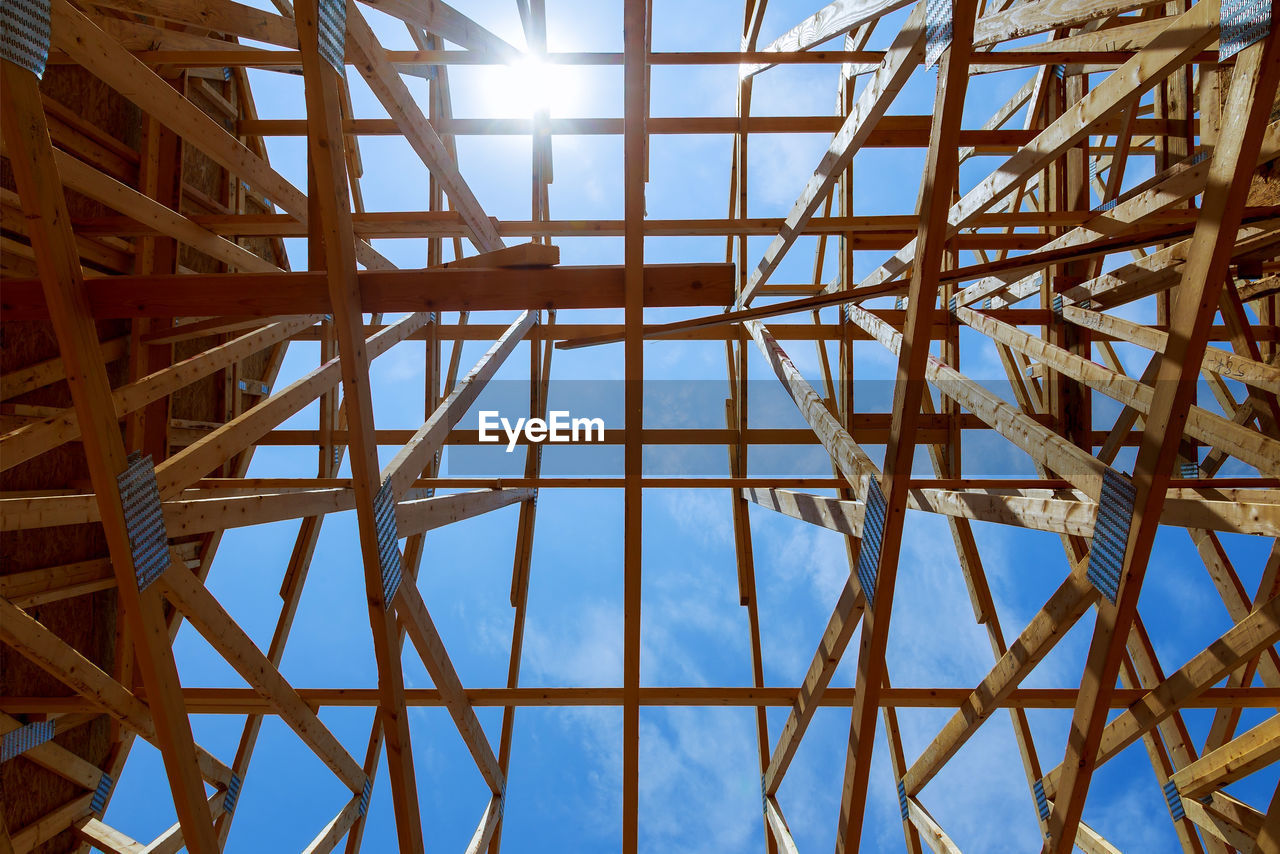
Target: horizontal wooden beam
(270, 294)
(240, 701)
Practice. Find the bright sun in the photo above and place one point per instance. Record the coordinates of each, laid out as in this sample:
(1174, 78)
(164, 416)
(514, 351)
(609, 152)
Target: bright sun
(521, 88)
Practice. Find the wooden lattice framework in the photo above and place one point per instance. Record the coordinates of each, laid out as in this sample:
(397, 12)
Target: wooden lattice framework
(1107, 81)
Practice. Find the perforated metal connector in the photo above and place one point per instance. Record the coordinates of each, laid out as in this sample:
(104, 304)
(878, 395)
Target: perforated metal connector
(101, 793)
(364, 797)
(1174, 800)
(903, 806)
(1042, 802)
(937, 30)
(333, 33)
(1243, 22)
(143, 519)
(24, 34)
(872, 535)
(233, 794)
(384, 518)
(19, 741)
(1111, 533)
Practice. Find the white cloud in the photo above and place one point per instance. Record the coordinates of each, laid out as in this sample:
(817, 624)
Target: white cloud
(585, 652)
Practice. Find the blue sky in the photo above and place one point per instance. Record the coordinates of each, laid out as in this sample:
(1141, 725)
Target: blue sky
(699, 780)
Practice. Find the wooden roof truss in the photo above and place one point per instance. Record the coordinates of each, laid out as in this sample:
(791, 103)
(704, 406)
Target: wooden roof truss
(1019, 258)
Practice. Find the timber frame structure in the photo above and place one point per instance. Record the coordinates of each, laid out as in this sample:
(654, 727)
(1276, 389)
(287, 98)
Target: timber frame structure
(148, 300)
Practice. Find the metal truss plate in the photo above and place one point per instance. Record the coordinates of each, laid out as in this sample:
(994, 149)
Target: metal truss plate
(1174, 800)
(24, 34)
(233, 794)
(143, 519)
(1243, 22)
(333, 33)
(937, 30)
(22, 739)
(100, 794)
(364, 796)
(384, 517)
(872, 533)
(1111, 533)
(1042, 802)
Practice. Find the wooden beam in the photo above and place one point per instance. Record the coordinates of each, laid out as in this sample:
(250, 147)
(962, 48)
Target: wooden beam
(31, 440)
(400, 105)
(1042, 444)
(50, 371)
(412, 612)
(778, 826)
(412, 459)
(442, 19)
(222, 632)
(107, 60)
(1068, 603)
(636, 30)
(204, 455)
(489, 820)
(1269, 833)
(930, 831)
(1249, 446)
(221, 16)
(1033, 18)
(1257, 374)
(80, 176)
(58, 759)
(1233, 822)
(49, 584)
(1238, 758)
(328, 171)
(834, 19)
(332, 834)
(107, 838)
(241, 701)
(881, 562)
(272, 294)
(874, 102)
